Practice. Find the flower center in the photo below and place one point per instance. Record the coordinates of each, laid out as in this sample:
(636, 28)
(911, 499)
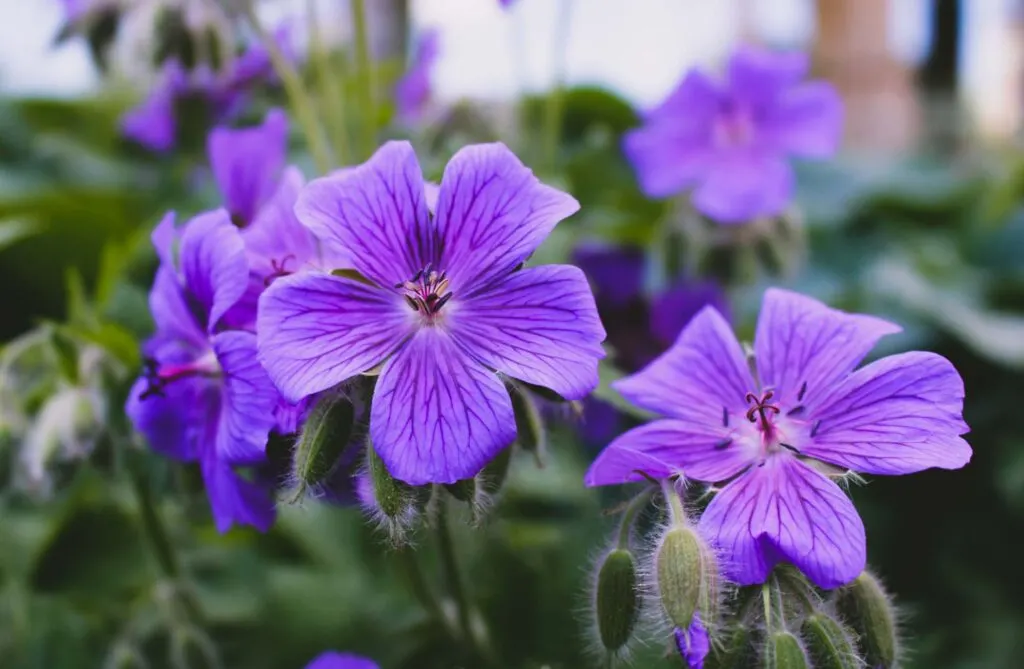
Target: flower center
(761, 411)
(427, 291)
(733, 127)
(158, 376)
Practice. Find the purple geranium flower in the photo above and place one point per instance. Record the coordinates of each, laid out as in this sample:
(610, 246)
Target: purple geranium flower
(730, 140)
(334, 660)
(442, 305)
(763, 433)
(693, 644)
(204, 396)
(412, 92)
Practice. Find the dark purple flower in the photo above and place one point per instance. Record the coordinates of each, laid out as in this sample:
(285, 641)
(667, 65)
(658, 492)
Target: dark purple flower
(762, 434)
(693, 644)
(673, 308)
(616, 272)
(442, 305)
(152, 124)
(204, 396)
(334, 660)
(412, 92)
(730, 140)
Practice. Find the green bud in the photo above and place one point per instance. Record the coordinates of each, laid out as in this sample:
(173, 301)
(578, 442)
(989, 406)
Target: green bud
(464, 490)
(687, 577)
(735, 652)
(828, 644)
(493, 476)
(529, 425)
(393, 497)
(867, 607)
(783, 651)
(328, 430)
(617, 602)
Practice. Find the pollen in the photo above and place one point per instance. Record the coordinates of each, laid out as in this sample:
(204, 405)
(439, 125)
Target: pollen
(427, 291)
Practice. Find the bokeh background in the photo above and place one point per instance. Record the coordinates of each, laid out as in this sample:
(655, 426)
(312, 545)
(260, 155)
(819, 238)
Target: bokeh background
(918, 219)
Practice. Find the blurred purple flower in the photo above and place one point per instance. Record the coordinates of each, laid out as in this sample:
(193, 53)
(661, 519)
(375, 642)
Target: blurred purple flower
(334, 660)
(152, 124)
(204, 396)
(442, 302)
(412, 92)
(693, 644)
(762, 433)
(730, 140)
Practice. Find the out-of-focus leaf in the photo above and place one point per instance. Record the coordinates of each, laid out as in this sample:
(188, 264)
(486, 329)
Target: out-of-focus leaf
(14, 230)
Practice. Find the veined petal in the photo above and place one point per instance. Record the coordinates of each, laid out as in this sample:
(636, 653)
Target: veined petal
(805, 348)
(806, 120)
(438, 416)
(703, 378)
(539, 325)
(786, 511)
(491, 214)
(757, 76)
(248, 400)
(376, 211)
(668, 159)
(247, 163)
(165, 238)
(213, 264)
(316, 330)
(234, 499)
(333, 660)
(171, 312)
(744, 183)
(173, 421)
(898, 415)
(664, 448)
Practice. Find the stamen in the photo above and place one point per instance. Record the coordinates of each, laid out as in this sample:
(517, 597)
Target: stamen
(803, 390)
(427, 291)
(725, 417)
(792, 448)
(814, 429)
(722, 444)
(796, 411)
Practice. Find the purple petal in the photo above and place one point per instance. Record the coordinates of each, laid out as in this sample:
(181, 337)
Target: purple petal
(213, 263)
(255, 64)
(704, 377)
(617, 273)
(412, 92)
(664, 448)
(438, 416)
(693, 644)
(805, 348)
(247, 164)
(233, 499)
(377, 211)
(152, 123)
(757, 76)
(248, 401)
(171, 313)
(164, 238)
(491, 214)
(173, 421)
(806, 120)
(673, 308)
(333, 660)
(898, 415)
(786, 511)
(539, 325)
(316, 330)
(600, 423)
(744, 183)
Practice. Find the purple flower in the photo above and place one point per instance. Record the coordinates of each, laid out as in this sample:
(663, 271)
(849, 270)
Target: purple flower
(247, 165)
(730, 140)
(412, 92)
(204, 396)
(442, 305)
(152, 124)
(334, 660)
(762, 435)
(693, 644)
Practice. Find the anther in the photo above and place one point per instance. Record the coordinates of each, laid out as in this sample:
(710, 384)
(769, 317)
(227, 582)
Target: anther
(724, 443)
(814, 429)
(803, 390)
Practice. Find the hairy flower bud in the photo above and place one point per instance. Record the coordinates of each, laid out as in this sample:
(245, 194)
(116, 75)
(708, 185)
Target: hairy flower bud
(392, 496)
(868, 608)
(326, 433)
(687, 576)
(828, 643)
(464, 490)
(734, 651)
(493, 476)
(782, 650)
(616, 600)
(530, 433)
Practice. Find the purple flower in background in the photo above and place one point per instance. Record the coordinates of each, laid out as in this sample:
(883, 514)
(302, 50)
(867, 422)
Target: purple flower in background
(247, 164)
(761, 434)
(152, 124)
(412, 92)
(693, 644)
(729, 141)
(204, 396)
(333, 660)
(442, 304)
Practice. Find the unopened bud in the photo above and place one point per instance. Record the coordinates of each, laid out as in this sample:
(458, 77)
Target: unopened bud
(529, 425)
(783, 651)
(493, 476)
(735, 651)
(464, 490)
(828, 644)
(392, 496)
(867, 607)
(328, 430)
(616, 601)
(687, 576)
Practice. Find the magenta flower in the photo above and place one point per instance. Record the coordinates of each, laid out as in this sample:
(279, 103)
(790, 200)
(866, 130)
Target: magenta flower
(761, 436)
(729, 141)
(412, 92)
(204, 396)
(442, 305)
(333, 660)
(693, 644)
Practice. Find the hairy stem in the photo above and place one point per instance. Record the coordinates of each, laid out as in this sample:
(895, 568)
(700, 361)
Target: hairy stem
(636, 505)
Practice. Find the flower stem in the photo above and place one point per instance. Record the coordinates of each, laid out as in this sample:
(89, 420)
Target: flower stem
(675, 505)
(556, 99)
(329, 89)
(366, 77)
(421, 590)
(636, 505)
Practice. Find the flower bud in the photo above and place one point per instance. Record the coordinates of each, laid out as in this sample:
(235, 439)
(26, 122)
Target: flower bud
(736, 651)
(464, 490)
(783, 651)
(391, 495)
(616, 600)
(529, 425)
(828, 644)
(493, 476)
(326, 433)
(687, 576)
(867, 607)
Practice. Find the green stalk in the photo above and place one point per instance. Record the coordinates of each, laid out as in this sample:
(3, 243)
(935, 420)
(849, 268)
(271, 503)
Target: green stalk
(366, 78)
(636, 505)
(327, 82)
(556, 99)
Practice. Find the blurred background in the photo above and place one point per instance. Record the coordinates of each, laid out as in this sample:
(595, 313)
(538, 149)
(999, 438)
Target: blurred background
(918, 219)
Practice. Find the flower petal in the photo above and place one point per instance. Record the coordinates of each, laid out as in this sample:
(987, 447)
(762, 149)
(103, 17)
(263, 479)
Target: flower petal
(704, 376)
(316, 330)
(693, 643)
(170, 310)
(152, 123)
(786, 511)
(171, 421)
(165, 238)
(898, 415)
(376, 211)
(234, 499)
(674, 307)
(744, 183)
(438, 416)
(806, 120)
(665, 448)
(491, 214)
(247, 163)
(213, 264)
(248, 400)
(616, 272)
(804, 348)
(757, 76)
(540, 325)
(333, 660)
